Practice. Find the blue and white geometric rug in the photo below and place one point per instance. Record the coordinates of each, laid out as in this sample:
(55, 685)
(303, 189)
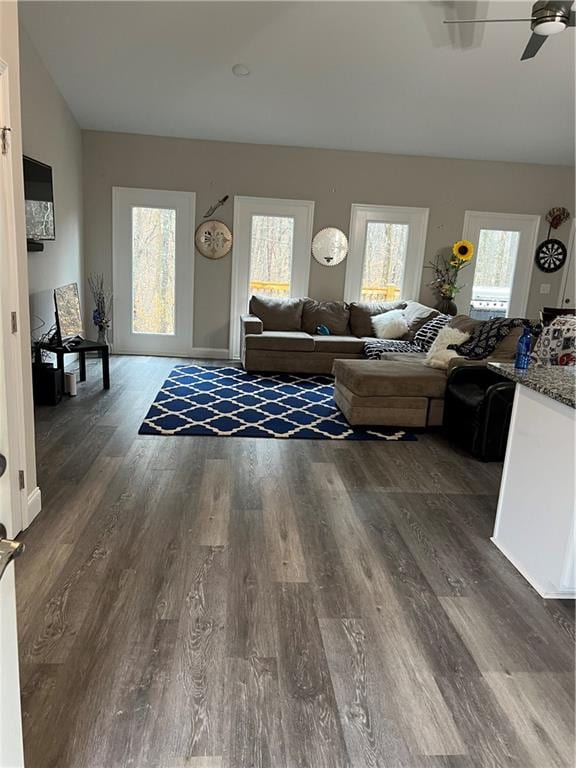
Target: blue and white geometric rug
(228, 402)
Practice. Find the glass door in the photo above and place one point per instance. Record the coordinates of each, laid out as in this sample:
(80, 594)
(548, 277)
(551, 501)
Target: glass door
(153, 271)
(497, 281)
(271, 254)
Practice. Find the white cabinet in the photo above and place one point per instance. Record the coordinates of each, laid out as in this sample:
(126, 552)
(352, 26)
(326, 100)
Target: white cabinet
(535, 520)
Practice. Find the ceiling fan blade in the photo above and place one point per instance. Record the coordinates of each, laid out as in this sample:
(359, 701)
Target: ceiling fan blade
(480, 21)
(534, 44)
(572, 20)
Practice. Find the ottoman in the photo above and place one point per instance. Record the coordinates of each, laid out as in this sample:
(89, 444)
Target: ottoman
(389, 393)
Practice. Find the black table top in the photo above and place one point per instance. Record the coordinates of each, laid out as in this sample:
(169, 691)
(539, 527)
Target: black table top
(79, 346)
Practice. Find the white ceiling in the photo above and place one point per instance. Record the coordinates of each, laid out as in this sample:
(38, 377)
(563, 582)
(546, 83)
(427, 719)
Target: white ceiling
(380, 76)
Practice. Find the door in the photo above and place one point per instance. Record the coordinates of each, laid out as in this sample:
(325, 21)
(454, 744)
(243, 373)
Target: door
(497, 281)
(271, 253)
(11, 752)
(153, 253)
(568, 288)
(386, 252)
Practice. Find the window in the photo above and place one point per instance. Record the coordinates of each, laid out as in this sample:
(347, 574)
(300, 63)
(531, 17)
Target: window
(386, 253)
(497, 281)
(494, 273)
(153, 270)
(271, 253)
(271, 250)
(384, 259)
(153, 261)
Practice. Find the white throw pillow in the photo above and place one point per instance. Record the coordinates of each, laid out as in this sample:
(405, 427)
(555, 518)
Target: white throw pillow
(390, 325)
(415, 311)
(439, 355)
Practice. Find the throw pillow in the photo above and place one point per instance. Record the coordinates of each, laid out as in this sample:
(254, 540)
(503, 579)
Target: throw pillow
(390, 325)
(376, 350)
(417, 315)
(361, 314)
(439, 355)
(556, 344)
(484, 339)
(335, 315)
(427, 334)
(278, 314)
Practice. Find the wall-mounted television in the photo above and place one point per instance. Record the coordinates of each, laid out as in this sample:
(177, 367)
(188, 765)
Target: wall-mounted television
(39, 199)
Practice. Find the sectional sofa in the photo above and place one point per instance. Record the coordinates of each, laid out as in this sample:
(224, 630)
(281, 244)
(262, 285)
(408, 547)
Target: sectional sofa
(282, 335)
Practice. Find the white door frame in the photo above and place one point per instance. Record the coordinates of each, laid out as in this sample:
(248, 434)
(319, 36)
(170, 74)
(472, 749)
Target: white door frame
(569, 271)
(126, 342)
(11, 340)
(11, 445)
(244, 208)
(360, 216)
(528, 225)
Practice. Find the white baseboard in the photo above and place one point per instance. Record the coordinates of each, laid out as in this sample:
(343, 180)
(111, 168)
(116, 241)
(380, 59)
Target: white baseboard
(210, 353)
(34, 506)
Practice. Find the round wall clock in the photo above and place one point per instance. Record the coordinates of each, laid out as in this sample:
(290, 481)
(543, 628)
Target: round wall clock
(213, 239)
(551, 255)
(330, 246)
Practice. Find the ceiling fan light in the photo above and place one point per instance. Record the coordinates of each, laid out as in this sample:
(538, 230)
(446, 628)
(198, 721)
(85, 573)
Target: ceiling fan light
(547, 28)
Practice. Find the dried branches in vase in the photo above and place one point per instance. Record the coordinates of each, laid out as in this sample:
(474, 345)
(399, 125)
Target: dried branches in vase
(447, 266)
(102, 314)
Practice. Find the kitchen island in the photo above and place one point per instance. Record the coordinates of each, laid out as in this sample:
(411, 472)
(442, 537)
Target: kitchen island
(535, 522)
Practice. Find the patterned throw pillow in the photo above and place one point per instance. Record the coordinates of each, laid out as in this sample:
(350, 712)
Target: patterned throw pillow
(484, 339)
(425, 336)
(375, 350)
(557, 343)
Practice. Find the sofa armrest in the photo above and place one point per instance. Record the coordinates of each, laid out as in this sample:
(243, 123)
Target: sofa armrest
(251, 324)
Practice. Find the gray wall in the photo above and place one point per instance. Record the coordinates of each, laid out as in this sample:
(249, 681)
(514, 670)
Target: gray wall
(333, 179)
(50, 134)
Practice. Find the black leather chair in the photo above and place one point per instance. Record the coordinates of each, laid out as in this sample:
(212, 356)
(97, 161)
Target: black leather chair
(477, 411)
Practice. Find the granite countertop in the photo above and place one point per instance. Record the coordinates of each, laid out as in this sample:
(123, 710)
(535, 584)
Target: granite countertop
(556, 381)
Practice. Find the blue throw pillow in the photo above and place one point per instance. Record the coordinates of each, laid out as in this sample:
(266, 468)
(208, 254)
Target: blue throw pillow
(322, 330)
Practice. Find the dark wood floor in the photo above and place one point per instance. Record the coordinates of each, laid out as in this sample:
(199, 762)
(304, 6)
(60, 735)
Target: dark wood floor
(226, 602)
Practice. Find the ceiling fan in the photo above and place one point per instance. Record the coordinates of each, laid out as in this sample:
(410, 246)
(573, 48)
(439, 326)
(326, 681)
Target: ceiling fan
(548, 18)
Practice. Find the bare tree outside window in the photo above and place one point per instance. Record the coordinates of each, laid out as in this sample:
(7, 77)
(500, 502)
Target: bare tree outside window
(153, 270)
(271, 251)
(384, 259)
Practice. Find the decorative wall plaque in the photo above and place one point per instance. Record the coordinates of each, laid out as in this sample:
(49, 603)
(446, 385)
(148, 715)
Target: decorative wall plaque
(330, 246)
(213, 239)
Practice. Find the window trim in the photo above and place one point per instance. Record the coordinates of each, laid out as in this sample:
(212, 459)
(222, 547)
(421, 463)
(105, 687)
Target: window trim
(522, 278)
(244, 208)
(416, 218)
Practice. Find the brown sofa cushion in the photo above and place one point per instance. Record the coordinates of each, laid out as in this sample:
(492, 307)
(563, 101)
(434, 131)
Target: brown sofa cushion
(361, 314)
(282, 341)
(335, 315)
(278, 314)
(505, 351)
(386, 378)
(464, 323)
(349, 344)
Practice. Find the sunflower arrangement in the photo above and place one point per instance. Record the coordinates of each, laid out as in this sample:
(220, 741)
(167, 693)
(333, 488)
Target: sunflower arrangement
(447, 266)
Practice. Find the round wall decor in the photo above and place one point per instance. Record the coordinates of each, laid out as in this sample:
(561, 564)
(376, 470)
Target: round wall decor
(330, 246)
(213, 239)
(551, 255)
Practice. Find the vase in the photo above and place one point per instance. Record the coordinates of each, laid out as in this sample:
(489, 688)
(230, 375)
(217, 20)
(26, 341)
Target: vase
(102, 335)
(447, 306)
